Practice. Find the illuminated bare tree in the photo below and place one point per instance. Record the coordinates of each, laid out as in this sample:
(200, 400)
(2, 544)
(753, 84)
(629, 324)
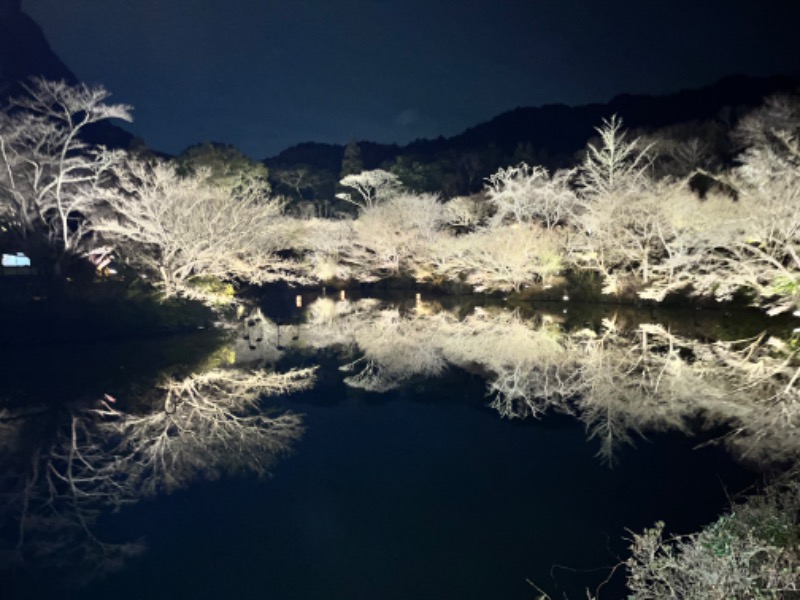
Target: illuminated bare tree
(681, 157)
(372, 187)
(768, 181)
(614, 166)
(466, 213)
(299, 179)
(699, 241)
(328, 249)
(623, 236)
(525, 194)
(768, 124)
(182, 229)
(503, 258)
(721, 244)
(397, 235)
(49, 177)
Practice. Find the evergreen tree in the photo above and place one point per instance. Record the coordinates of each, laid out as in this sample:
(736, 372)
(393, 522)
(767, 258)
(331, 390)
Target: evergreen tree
(352, 163)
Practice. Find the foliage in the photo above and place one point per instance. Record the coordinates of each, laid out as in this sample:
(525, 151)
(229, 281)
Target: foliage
(212, 290)
(226, 166)
(303, 183)
(419, 176)
(352, 163)
(752, 552)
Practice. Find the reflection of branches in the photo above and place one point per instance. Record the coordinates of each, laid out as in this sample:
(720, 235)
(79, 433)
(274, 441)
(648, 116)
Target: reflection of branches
(632, 382)
(53, 507)
(396, 349)
(529, 367)
(620, 383)
(530, 388)
(208, 424)
(762, 379)
(372, 377)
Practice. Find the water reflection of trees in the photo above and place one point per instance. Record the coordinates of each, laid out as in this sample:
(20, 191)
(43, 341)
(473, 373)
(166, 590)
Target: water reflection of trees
(620, 381)
(66, 468)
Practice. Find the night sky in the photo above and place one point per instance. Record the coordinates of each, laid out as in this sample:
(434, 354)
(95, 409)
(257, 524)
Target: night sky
(264, 75)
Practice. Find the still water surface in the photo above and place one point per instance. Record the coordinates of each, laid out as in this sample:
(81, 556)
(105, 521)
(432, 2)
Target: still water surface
(418, 491)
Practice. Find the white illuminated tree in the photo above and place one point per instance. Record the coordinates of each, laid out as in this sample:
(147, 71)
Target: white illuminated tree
(396, 236)
(372, 187)
(49, 177)
(466, 213)
(523, 194)
(503, 258)
(182, 229)
(615, 165)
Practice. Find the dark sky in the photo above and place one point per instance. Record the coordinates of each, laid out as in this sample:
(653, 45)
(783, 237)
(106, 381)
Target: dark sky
(264, 75)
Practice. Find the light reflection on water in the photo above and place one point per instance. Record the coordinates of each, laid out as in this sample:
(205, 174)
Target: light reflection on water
(406, 482)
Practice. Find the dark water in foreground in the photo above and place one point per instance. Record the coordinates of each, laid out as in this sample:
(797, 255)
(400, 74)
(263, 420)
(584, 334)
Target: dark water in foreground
(420, 492)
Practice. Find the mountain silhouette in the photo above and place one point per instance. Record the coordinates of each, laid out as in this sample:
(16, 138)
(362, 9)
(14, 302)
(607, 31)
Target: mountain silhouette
(554, 133)
(25, 53)
(558, 131)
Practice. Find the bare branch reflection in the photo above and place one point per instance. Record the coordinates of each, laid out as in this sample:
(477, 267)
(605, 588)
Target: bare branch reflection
(620, 381)
(92, 458)
(210, 424)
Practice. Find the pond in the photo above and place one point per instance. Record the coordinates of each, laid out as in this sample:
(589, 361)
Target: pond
(416, 449)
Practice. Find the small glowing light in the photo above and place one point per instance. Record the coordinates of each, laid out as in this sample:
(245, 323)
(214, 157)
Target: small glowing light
(341, 295)
(419, 297)
(565, 298)
(298, 301)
